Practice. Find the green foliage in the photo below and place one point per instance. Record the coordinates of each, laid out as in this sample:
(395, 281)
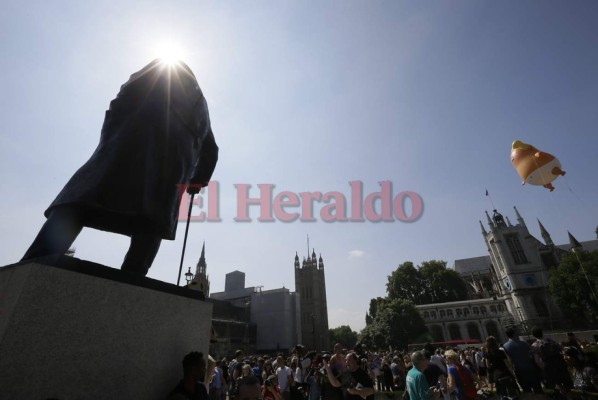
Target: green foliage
(394, 320)
(343, 335)
(431, 282)
(395, 324)
(575, 291)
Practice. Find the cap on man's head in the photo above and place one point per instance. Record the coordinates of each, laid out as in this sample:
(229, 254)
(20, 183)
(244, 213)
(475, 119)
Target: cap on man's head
(238, 353)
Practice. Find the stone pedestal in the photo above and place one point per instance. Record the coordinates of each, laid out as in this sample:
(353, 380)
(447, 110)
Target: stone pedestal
(79, 330)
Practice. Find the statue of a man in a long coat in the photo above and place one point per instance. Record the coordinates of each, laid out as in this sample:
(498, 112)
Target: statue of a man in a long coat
(156, 139)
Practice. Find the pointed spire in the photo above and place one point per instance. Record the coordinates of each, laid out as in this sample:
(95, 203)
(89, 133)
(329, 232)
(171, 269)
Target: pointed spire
(520, 220)
(200, 268)
(545, 235)
(297, 265)
(575, 245)
(321, 262)
(509, 224)
(313, 255)
(483, 229)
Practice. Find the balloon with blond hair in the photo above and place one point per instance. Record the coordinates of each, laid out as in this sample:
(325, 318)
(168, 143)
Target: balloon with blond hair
(534, 166)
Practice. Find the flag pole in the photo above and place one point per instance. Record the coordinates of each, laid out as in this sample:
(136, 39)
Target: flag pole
(490, 197)
(178, 281)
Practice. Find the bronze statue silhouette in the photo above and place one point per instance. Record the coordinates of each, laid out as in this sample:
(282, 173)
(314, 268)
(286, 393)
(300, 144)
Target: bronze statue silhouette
(156, 139)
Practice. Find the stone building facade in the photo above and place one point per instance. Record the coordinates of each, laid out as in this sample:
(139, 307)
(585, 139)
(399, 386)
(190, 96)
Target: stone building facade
(508, 287)
(310, 285)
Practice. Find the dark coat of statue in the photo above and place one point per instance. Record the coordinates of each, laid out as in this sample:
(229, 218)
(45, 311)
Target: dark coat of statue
(156, 140)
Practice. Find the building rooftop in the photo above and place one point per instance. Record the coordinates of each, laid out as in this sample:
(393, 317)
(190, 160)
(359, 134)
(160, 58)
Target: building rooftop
(468, 265)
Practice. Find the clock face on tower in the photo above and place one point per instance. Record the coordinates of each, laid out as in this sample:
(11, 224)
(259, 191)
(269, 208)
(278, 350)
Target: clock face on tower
(507, 283)
(530, 280)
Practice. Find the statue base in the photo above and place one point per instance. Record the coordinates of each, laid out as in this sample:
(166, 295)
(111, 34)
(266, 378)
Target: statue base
(72, 329)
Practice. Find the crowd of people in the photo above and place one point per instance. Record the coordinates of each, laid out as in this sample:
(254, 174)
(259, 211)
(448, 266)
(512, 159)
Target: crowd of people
(527, 369)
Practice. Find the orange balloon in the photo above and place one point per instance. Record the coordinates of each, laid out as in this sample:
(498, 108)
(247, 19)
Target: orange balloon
(534, 166)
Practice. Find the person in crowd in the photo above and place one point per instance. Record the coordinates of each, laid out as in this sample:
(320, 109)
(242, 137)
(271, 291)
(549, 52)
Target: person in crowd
(497, 360)
(526, 372)
(330, 392)
(435, 376)
(268, 370)
(479, 358)
(337, 361)
(572, 341)
(585, 377)
(257, 367)
(235, 370)
(314, 379)
(191, 387)
(285, 378)
(216, 382)
(355, 381)
(438, 360)
(548, 357)
(387, 378)
(270, 390)
(397, 368)
(248, 388)
(418, 386)
(460, 380)
(246, 369)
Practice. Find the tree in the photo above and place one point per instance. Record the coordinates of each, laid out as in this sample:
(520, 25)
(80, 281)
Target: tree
(442, 284)
(406, 283)
(396, 323)
(575, 286)
(431, 282)
(343, 335)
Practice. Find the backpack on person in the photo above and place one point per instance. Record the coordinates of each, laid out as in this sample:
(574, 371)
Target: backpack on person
(467, 389)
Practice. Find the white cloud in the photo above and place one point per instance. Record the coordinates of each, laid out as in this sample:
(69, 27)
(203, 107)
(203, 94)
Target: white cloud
(356, 253)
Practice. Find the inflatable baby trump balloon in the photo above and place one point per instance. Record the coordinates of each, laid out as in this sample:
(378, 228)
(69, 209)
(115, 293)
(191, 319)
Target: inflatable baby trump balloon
(535, 167)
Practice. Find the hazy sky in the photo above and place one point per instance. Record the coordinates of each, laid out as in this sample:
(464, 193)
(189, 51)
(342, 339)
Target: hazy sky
(309, 96)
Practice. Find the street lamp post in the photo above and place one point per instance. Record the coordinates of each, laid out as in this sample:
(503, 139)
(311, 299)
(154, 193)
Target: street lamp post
(188, 276)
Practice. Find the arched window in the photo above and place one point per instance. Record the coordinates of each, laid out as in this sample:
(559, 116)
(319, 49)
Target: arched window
(442, 314)
(449, 313)
(466, 312)
(476, 311)
(454, 332)
(459, 312)
(483, 310)
(433, 314)
(437, 333)
(493, 309)
(473, 331)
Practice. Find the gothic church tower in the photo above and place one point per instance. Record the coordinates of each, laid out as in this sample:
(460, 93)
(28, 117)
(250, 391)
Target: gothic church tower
(200, 279)
(311, 287)
(520, 272)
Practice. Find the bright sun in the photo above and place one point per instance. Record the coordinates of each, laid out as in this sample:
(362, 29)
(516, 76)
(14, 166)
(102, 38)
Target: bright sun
(169, 53)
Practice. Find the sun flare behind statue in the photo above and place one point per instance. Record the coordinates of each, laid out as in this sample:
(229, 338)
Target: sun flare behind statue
(169, 53)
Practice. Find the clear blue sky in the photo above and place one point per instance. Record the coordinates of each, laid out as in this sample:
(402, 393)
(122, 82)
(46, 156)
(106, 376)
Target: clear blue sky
(309, 96)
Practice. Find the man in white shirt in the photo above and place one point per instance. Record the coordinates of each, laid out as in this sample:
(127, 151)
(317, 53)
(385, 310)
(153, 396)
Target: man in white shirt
(285, 378)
